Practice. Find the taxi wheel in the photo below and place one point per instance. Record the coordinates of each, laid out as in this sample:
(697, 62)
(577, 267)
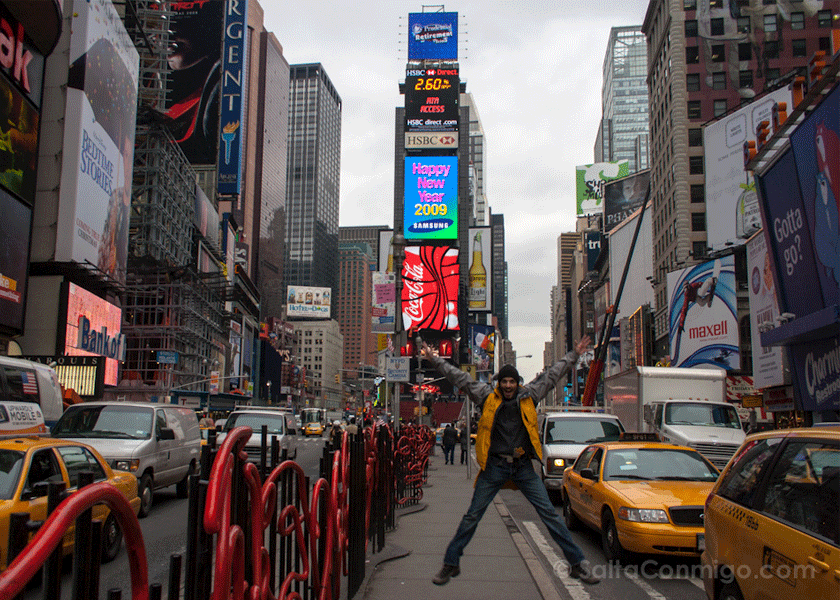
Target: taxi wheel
(730, 592)
(111, 539)
(144, 490)
(609, 539)
(572, 521)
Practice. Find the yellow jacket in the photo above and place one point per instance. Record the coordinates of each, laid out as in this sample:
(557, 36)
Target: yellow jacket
(488, 417)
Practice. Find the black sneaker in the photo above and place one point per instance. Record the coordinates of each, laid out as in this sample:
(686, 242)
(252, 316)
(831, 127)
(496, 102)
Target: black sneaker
(445, 573)
(584, 573)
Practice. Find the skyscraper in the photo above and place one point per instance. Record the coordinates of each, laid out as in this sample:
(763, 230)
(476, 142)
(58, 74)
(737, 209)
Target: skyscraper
(312, 178)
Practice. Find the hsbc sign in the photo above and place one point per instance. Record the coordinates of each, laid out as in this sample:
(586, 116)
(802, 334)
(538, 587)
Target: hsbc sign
(444, 139)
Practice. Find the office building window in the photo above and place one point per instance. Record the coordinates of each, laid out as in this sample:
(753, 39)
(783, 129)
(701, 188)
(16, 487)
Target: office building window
(692, 55)
(689, 4)
(797, 20)
(715, 3)
(691, 28)
(718, 81)
(744, 51)
(698, 221)
(745, 79)
(695, 137)
(798, 47)
(698, 249)
(694, 111)
(771, 23)
(718, 53)
(824, 18)
(825, 44)
(692, 82)
(695, 165)
(772, 74)
(719, 107)
(717, 26)
(743, 25)
(771, 49)
(698, 193)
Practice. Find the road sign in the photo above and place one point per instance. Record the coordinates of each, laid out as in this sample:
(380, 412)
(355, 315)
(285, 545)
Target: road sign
(397, 368)
(167, 357)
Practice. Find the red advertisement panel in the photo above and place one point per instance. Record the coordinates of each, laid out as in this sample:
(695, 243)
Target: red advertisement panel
(430, 288)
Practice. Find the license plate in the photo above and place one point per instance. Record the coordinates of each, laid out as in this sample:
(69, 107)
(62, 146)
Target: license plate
(701, 542)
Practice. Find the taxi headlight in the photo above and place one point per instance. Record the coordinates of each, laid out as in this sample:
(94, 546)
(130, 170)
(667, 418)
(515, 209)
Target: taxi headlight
(559, 462)
(126, 465)
(643, 515)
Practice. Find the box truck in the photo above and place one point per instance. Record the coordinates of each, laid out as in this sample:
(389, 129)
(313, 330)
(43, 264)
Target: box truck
(683, 406)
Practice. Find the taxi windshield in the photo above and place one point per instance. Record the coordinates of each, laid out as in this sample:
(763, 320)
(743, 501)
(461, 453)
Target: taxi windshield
(256, 421)
(657, 464)
(11, 462)
(701, 414)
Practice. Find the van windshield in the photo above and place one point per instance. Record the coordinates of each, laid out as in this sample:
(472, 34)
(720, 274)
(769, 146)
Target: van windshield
(126, 422)
(701, 414)
(581, 431)
(255, 421)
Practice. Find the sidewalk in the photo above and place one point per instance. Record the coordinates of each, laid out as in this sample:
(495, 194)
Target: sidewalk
(498, 558)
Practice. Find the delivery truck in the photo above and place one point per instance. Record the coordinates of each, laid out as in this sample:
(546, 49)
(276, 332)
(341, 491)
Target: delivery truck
(683, 406)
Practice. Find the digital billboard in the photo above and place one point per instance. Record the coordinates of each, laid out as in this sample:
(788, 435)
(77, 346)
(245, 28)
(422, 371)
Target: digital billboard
(15, 226)
(431, 198)
(98, 151)
(305, 301)
(383, 302)
(480, 274)
(20, 59)
(764, 308)
(703, 315)
(430, 288)
(431, 102)
(622, 197)
(93, 328)
(233, 71)
(732, 211)
(590, 180)
(433, 35)
(482, 347)
(194, 77)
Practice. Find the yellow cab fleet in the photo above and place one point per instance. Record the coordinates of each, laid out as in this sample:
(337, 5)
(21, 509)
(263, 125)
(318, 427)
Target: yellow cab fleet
(773, 518)
(642, 495)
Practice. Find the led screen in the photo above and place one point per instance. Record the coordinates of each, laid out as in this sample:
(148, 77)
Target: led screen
(431, 198)
(430, 288)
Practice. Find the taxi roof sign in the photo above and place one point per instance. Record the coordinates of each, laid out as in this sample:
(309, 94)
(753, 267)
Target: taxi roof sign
(638, 436)
(21, 418)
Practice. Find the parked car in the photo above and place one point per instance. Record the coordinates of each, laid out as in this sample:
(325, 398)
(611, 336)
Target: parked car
(643, 496)
(564, 434)
(773, 518)
(279, 422)
(27, 461)
(159, 443)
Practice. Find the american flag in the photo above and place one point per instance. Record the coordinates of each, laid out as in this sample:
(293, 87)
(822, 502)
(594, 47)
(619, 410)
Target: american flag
(30, 386)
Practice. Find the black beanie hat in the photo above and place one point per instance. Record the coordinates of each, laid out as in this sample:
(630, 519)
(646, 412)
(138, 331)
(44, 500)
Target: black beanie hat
(508, 371)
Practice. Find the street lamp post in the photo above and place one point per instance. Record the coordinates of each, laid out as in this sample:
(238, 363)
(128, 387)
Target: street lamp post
(398, 242)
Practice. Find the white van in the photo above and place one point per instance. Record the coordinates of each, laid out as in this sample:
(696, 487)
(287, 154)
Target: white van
(159, 443)
(24, 381)
(280, 423)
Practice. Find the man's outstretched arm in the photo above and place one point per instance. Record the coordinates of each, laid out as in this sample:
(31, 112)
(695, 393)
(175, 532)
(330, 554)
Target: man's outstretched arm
(461, 380)
(545, 382)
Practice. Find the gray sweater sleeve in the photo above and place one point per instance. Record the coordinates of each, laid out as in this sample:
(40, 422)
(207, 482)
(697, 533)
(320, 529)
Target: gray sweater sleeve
(476, 390)
(548, 379)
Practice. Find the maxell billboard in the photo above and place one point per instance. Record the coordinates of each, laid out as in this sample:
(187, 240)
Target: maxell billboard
(590, 180)
(433, 35)
(233, 71)
(732, 211)
(703, 315)
(98, 150)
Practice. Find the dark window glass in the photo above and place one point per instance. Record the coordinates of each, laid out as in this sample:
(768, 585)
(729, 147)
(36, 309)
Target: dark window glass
(695, 167)
(698, 249)
(719, 107)
(771, 23)
(797, 20)
(718, 53)
(745, 79)
(698, 220)
(689, 4)
(743, 24)
(798, 47)
(692, 55)
(691, 28)
(740, 482)
(771, 49)
(698, 193)
(718, 81)
(715, 3)
(824, 18)
(744, 51)
(717, 26)
(584, 457)
(695, 137)
(772, 74)
(694, 111)
(78, 460)
(825, 44)
(692, 82)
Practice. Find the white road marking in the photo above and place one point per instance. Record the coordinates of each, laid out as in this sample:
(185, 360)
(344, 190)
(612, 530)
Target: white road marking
(646, 587)
(694, 580)
(560, 566)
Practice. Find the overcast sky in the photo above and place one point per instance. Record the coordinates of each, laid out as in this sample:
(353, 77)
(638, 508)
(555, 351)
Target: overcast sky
(535, 71)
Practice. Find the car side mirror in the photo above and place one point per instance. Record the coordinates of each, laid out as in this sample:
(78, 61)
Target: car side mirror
(588, 474)
(166, 433)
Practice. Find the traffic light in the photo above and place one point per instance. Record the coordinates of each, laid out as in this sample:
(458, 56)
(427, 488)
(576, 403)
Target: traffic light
(337, 378)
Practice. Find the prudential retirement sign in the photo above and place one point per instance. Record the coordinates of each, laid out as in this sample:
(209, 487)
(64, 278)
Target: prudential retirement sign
(431, 198)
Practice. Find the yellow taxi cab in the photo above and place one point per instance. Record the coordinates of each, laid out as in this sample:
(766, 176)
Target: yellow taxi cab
(773, 518)
(27, 461)
(314, 428)
(642, 495)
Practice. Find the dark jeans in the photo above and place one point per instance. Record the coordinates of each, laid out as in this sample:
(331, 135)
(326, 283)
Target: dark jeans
(488, 483)
(449, 455)
(465, 452)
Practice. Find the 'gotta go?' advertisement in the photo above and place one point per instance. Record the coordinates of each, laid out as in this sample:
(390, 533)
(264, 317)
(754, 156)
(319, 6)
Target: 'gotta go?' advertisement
(431, 198)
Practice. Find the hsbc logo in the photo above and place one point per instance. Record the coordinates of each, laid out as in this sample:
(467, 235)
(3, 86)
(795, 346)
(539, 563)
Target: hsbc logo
(433, 72)
(446, 140)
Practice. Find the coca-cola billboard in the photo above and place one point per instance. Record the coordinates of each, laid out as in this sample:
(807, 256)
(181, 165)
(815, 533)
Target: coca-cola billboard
(430, 288)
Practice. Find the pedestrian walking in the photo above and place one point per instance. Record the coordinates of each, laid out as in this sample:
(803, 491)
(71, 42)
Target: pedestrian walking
(506, 440)
(464, 438)
(450, 436)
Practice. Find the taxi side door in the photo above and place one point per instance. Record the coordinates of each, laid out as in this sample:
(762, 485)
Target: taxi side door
(578, 488)
(43, 467)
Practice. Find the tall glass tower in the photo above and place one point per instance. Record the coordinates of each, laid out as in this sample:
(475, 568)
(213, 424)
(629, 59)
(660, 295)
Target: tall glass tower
(312, 178)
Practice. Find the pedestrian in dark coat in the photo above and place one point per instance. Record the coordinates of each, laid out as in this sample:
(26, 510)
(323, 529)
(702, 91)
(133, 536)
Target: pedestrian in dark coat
(450, 436)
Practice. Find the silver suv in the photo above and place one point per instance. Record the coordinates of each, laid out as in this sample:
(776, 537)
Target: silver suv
(564, 435)
(279, 423)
